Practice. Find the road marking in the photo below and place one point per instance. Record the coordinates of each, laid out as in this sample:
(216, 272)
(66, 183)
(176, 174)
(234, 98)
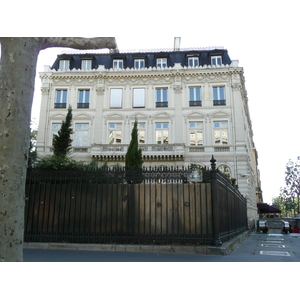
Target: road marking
(277, 253)
(275, 246)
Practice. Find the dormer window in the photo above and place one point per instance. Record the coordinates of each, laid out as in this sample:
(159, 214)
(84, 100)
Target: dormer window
(64, 64)
(193, 61)
(118, 63)
(139, 63)
(216, 60)
(161, 62)
(86, 64)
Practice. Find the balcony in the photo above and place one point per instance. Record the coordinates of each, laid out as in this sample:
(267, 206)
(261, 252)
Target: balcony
(151, 152)
(60, 105)
(195, 103)
(161, 104)
(219, 102)
(83, 105)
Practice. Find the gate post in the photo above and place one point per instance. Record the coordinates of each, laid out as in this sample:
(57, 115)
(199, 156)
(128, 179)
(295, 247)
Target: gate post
(215, 204)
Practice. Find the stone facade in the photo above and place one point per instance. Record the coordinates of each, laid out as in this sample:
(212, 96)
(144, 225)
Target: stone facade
(186, 111)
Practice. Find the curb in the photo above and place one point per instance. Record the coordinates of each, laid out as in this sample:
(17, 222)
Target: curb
(226, 248)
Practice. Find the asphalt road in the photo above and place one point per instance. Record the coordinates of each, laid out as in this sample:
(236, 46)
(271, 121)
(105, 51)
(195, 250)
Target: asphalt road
(256, 248)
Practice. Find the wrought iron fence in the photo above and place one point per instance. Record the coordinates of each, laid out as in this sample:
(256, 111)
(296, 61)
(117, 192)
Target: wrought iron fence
(101, 207)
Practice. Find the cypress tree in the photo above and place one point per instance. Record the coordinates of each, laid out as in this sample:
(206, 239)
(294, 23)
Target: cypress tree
(134, 158)
(62, 141)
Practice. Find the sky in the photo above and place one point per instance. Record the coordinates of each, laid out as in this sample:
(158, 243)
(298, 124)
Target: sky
(261, 35)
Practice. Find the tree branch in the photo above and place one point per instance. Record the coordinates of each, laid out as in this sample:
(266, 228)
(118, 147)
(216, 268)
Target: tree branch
(79, 43)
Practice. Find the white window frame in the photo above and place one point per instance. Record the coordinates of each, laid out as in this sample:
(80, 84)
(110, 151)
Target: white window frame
(114, 128)
(161, 132)
(139, 97)
(161, 62)
(118, 64)
(116, 98)
(223, 132)
(193, 93)
(86, 96)
(86, 64)
(216, 60)
(162, 97)
(197, 130)
(61, 98)
(139, 63)
(64, 64)
(193, 61)
(81, 138)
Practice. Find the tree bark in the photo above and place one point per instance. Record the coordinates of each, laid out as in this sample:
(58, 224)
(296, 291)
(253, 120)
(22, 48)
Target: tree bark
(17, 75)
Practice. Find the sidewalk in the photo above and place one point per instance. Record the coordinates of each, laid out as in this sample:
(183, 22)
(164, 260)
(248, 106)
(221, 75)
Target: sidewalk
(224, 249)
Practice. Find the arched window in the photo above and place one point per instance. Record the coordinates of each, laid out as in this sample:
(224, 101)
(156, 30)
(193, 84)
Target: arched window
(224, 169)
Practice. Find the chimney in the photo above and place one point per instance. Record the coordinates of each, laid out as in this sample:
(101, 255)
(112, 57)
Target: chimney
(177, 43)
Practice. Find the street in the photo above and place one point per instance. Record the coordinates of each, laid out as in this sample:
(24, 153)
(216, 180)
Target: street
(256, 248)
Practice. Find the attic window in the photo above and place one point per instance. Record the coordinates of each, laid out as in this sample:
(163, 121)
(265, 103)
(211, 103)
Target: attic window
(216, 60)
(64, 64)
(86, 64)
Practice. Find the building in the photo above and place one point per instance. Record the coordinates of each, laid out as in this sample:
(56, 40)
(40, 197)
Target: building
(190, 104)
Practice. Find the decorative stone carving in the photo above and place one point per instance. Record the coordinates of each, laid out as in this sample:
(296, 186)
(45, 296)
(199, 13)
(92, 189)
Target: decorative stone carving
(236, 86)
(177, 88)
(45, 90)
(100, 90)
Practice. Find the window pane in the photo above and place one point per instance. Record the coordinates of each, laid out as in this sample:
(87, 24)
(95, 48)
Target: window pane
(217, 137)
(138, 97)
(165, 95)
(199, 138)
(192, 137)
(222, 95)
(224, 137)
(116, 98)
(198, 94)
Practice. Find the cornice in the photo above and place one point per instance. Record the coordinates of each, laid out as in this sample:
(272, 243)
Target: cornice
(149, 73)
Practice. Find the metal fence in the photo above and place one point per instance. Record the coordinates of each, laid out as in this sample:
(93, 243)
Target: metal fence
(101, 207)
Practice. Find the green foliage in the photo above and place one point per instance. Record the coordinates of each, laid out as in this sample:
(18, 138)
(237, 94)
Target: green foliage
(289, 195)
(53, 162)
(62, 141)
(134, 158)
(32, 155)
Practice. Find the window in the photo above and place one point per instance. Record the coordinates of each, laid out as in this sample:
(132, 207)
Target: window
(162, 97)
(61, 99)
(196, 133)
(219, 95)
(162, 133)
(83, 99)
(141, 132)
(161, 62)
(86, 64)
(64, 64)
(139, 63)
(115, 133)
(216, 60)
(195, 96)
(81, 135)
(116, 98)
(193, 61)
(118, 63)
(224, 169)
(138, 97)
(221, 133)
(55, 128)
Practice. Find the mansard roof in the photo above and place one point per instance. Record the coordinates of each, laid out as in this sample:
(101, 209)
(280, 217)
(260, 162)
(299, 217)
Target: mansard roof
(173, 57)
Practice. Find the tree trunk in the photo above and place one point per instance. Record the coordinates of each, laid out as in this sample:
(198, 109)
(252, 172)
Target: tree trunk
(17, 75)
(19, 57)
